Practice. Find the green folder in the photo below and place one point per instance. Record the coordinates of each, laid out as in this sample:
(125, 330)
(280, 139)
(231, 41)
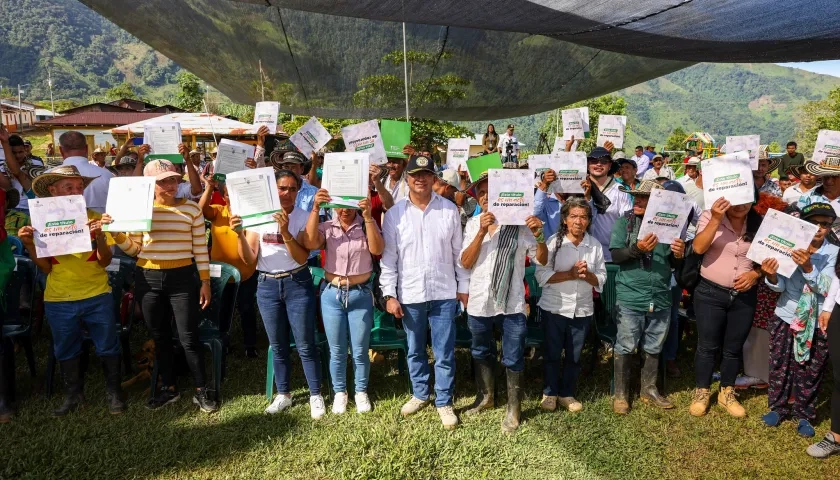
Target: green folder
(172, 157)
(395, 136)
(479, 165)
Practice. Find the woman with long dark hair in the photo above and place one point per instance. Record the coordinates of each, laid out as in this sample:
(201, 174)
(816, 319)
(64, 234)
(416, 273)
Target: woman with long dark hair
(490, 141)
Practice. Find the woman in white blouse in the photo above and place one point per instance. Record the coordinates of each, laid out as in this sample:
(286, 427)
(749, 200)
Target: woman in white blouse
(495, 254)
(575, 265)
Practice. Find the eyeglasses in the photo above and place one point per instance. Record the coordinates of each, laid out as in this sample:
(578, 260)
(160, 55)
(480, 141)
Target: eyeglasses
(287, 189)
(820, 224)
(602, 161)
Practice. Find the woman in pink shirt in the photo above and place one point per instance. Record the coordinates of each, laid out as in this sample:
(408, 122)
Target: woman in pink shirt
(350, 239)
(724, 301)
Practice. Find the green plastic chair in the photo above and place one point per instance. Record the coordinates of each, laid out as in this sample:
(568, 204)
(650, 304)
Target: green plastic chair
(534, 336)
(209, 332)
(385, 336)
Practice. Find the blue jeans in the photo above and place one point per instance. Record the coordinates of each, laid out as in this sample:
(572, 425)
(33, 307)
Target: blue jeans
(513, 339)
(439, 315)
(647, 330)
(288, 305)
(355, 319)
(97, 315)
(562, 333)
(672, 342)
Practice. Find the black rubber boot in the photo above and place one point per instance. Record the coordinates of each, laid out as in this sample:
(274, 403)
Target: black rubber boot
(113, 386)
(514, 404)
(485, 386)
(5, 409)
(621, 402)
(650, 373)
(73, 395)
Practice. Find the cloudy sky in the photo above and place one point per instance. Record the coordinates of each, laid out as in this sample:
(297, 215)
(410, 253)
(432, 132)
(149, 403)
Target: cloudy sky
(831, 67)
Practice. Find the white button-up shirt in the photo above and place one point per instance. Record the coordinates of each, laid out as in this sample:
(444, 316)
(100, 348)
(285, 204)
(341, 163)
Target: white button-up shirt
(505, 139)
(794, 193)
(421, 261)
(482, 303)
(602, 223)
(572, 298)
(96, 194)
(642, 164)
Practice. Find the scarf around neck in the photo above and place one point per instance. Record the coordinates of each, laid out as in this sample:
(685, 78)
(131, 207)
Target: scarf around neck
(504, 264)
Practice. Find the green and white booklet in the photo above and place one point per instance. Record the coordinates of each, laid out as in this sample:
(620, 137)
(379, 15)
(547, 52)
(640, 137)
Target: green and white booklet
(365, 137)
(231, 157)
(311, 137)
(253, 196)
(265, 114)
(575, 123)
(778, 235)
(130, 203)
(346, 178)
(163, 139)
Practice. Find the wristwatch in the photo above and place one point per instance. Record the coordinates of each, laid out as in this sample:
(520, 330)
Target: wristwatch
(388, 297)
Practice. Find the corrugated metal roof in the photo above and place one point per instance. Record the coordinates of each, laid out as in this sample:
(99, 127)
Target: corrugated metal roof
(195, 124)
(101, 118)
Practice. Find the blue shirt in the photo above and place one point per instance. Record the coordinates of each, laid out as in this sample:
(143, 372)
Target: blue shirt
(547, 209)
(305, 199)
(791, 288)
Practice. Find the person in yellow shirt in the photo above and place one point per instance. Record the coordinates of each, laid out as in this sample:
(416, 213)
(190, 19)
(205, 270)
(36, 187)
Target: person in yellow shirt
(224, 248)
(78, 294)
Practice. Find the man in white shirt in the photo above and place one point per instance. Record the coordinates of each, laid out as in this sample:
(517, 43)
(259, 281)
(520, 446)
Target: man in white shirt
(575, 266)
(601, 170)
(509, 146)
(422, 282)
(642, 163)
(694, 187)
(691, 172)
(74, 151)
(496, 254)
(806, 183)
(658, 170)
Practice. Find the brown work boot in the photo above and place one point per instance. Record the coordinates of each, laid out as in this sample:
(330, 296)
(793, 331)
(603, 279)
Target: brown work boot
(700, 402)
(621, 402)
(728, 400)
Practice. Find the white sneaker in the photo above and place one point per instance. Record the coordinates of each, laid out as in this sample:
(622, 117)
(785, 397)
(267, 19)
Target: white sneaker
(413, 406)
(339, 403)
(363, 404)
(317, 409)
(447, 417)
(280, 403)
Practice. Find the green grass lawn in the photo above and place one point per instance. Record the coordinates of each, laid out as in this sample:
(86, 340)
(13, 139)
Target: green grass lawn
(241, 442)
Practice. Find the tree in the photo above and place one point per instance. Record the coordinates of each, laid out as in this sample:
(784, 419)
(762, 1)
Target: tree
(774, 147)
(604, 105)
(676, 140)
(815, 116)
(190, 95)
(120, 91)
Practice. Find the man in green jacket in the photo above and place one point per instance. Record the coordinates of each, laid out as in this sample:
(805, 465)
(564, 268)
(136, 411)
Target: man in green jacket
(643, 288)
(791, 157)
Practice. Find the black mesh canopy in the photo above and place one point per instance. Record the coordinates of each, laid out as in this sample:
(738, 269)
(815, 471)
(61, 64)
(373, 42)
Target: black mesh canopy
(469, 59)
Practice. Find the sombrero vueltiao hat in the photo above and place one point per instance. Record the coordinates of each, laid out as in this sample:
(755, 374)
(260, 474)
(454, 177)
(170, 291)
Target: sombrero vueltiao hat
(643, 188)
(774, 162)
(796, 170)
(830, 167)
(41, 184)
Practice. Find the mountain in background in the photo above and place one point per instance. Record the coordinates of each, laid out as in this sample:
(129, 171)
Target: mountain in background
(87, 54)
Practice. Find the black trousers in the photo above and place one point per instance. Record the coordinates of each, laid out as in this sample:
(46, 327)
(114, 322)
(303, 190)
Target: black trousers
(723, 325)
(161, 293)
(834, 355)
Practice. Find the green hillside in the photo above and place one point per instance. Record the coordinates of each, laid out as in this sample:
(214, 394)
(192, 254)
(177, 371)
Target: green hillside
(87, 54)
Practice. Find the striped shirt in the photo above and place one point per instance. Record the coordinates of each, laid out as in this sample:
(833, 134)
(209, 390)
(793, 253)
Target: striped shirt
(177, 237)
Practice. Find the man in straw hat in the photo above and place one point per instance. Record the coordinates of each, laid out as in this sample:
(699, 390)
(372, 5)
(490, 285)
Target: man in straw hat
(423, 281)
(807, 182)
(98, 157)
(829, 192)
(761, 177)
(643, 287)
(495, 254)
(78, 295)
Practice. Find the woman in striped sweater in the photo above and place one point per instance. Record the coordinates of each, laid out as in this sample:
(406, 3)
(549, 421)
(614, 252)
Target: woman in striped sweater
(165, 281)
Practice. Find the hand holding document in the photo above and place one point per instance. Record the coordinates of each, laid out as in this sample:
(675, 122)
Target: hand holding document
(253, 196)
(231, 157)
(266, 113)
(346, 177)
(745, 143)
(457, 153)
(130, 203)
(828, 145)
(611, 129)
(510, 195)
(311, 137)
(571, 171)
(666, 214)
(575, 123)
(365, 137)
(730, 177)
(163, 139)
(778, 235)
(60, 225)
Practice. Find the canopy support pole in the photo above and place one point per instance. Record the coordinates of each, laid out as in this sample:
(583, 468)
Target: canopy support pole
(405, 71)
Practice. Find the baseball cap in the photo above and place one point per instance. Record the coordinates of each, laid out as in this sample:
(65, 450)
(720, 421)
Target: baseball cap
(817, 209)
(622, 161)
(27, 143)
(293, 157)
(417, 163)
(510, 125)
(451, 177)
(599, 152)
(694, 161)
(160, 169)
